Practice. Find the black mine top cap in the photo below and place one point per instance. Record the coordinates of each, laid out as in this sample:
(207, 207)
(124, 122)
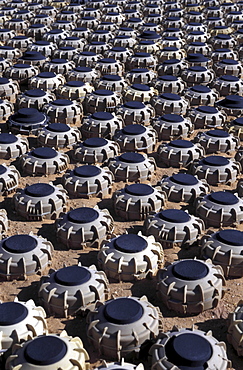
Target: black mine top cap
(172, 118)
(123, 311)
(134, 129)
(19, 243)
(95, 142)
(83, 215)
(58, 127)
(72, 275)
(184, 179)
(190, 270)
(130, 243)
(102, 116)
(207, 109)
(3, 169)
(44, 153)
(6, 138)
(139, 189)
(134, 105)
(218, 133)
(181, 144)
(189, 351)
(39, 190)
(131, 157)
(35, 93)
(87, 171)
(12, 313)
(215, 161)
(230, 237)
(45, 350)
(174, 215)
(223, 197)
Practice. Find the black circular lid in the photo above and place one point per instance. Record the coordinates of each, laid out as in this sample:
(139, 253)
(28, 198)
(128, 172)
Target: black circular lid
(207, 109)
(230, 237)
(95, 142)
(20, 243)
(139, 189)
(33, 55)
(62, 102)
(238, 121)
(171, 61)
(83, 69)
(35, 93)
(229, 78)
(198, 69)
(174, 215)
(189, 351)
(75, 83)
(139, 70)
(196, 58)
(130, 243)
(28, 116)
(122, 311)
(22, 66)
(39, 190)
(181, 144)
(6, 138)
(169, 96)
(58, 127)
(72, 275)
(87, 171)
(131, 157)
(46, 75)
(134, 129)
(201, 89)
(215, 160)
(103, 92)
(140, 87)
(190, 270)
(12, 313)
(44, 153)
(4, 81)
(82, 215)
(232, 101)
(45, 350)
(218, 133)
(184, 179)
(167, 78)
(223, 197)
(3, 169)
(172, 118)
(102, 116)
(111, 78)
(134, 105)
(229, 61)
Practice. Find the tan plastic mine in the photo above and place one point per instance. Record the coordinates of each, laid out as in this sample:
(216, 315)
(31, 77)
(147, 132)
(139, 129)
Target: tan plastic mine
(118, 327)
(73, 355)
(9, 179)
(235, 329)
(197, 287)
(62, 294)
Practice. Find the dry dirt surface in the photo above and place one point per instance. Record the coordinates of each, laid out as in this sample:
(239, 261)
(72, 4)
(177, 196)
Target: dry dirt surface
(214, 320)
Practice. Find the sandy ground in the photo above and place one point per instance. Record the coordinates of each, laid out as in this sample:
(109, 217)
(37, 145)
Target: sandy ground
(215, 320)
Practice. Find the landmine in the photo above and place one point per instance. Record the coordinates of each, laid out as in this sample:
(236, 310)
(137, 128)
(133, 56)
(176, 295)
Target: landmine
(228, 67)
(189, 349)
(40, 201)
(206, 116)
(21, 72)
(232, 105)
(9, 179)
(235, 331)
(112, 82)
(74, 90)
(235, 127)
(23, 255)
(220, 209)
(27, 121)
(9, 89)
(47, 81)
(95, 150)
(173, 227)
(190, 286)
(86, 59)
(110, 66)
(169, 84)
(139, 92)
(34, 98)
(216, 169)
(224, 248)
(217, 141)
(101, 124)
(20, 321)
(169, 103)
(73, 290)
(200, 95)
(9, 52)
(140, 76)
(132, 167)
(197, 75)
(227, 85)
(6, 109)
(49, 351)
(172, 126)
(174, 67)
(58, 135)
(179, 153)
(84, 227)
(102, 101)
(130, 257)
(46, 48)
(134, 112)
(136, 201)
(64, 111)
(183, 187)
(58, 66)
(84, 74)
(87, 181)
(118, 327)
(134, 138)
